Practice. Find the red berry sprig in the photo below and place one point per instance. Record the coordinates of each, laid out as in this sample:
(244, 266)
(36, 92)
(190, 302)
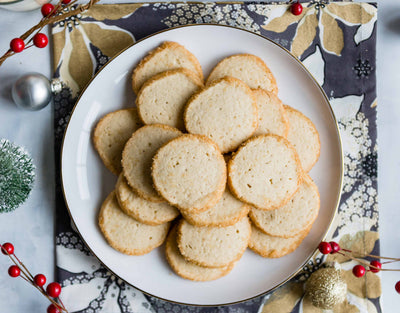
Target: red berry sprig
(296, 8)
(52, 290)
(359, 270)
(51, 14)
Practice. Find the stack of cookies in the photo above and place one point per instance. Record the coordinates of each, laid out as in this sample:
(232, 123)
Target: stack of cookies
(211, 168)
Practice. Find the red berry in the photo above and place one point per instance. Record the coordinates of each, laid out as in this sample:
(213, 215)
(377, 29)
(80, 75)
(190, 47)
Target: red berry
(335, 247)
(14, 271)
(296, 8)
(7, 247)
(53, 290)
(39, 280)
(324, 247)
(17, 45)
(52, 309)
(397, 286)
(359, 271)
(40, 40)
(376, 264)
(47, 9)
(66, 1)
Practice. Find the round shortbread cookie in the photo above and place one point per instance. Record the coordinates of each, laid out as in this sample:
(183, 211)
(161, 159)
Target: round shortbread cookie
(111, 134)
(213, 246)
(248, 68)
(274, 247)
(265, 172)
(304, 137)
(168, 56)
(271, 114)
(294, 217)
(124, 233)
(138, 155)
(142, 210)
(226, 212)
(188, 269)
(158, 103)
(190, 173)
(225, 111)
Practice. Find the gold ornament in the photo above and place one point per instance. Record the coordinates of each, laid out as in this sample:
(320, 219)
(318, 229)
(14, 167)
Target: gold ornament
(325, 288)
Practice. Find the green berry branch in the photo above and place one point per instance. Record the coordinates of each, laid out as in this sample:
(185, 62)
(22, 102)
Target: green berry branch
(52, 291)
(359, 270)
(51, 14)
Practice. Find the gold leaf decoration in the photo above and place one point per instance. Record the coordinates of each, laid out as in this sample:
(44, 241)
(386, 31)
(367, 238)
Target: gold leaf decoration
(80, 64)
(351, 12)
(368, 286)
(285, 297)
(58, 46)
(333, 35)
(111, 11)
(305, 35)
(280, 24)
(109, 41)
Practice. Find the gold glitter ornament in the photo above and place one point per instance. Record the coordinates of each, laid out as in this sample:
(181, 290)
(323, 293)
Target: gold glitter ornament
(325, 288)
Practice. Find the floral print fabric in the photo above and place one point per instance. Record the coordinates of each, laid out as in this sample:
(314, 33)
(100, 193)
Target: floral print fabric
(335, 41)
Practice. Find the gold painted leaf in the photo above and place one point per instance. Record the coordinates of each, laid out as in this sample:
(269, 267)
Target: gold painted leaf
(362, 242)
(284, 299)
(308, 307)
(374, 104)
(80, 64)
(333, 34)
(58, 46)
(111, 11)
(109, 41)
(305, 35)
(280, 24)
(351, 12)
(368, 286)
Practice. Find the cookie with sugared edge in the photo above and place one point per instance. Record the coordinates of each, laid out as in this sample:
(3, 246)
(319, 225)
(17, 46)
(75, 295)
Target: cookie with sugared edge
(168, 56)
(213, 246)
(158, 103)
(142, 210)
(274, 247)
(271, 114)
(303, 135)
(187, 269)
(265, 172)
(249, 68)
(226, 212)
(111, 133)
(138, 154)
(190, 173)
(124, 233)
(294, 217)
(225, 111)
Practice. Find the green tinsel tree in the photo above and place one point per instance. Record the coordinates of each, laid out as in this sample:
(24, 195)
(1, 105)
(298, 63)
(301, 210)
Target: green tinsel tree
(16, 175)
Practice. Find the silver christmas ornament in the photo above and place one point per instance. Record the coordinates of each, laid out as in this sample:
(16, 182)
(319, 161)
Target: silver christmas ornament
(33, 91)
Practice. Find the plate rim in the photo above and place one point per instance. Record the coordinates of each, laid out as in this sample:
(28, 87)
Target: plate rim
(338, 137)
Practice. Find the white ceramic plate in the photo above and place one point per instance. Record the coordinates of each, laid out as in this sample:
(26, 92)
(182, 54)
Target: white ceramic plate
(87, 182)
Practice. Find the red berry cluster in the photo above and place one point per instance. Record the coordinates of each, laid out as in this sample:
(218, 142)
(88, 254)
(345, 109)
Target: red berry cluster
(358, 270)
(39, 40)
(53, 290)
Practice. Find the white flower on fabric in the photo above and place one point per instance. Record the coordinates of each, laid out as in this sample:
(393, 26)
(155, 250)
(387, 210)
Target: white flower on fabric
(316, 65)
(88, 286)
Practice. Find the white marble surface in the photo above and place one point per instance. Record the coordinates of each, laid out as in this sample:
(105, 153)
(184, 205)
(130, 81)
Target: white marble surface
(31, 227)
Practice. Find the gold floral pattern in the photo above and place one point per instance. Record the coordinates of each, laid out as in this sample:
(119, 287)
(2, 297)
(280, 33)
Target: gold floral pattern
(74, 36)
(326, 17)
